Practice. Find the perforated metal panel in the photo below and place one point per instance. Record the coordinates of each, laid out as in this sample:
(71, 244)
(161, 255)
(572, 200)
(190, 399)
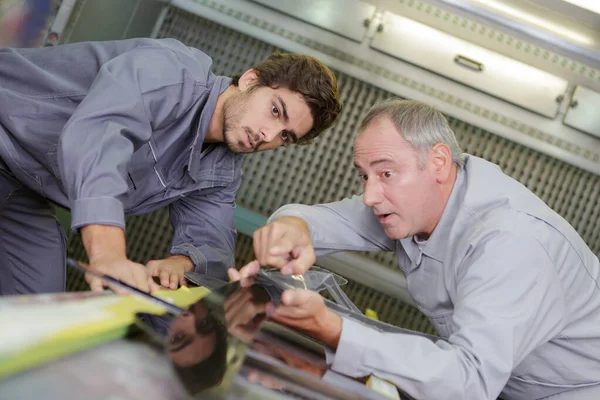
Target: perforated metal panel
(323, 172)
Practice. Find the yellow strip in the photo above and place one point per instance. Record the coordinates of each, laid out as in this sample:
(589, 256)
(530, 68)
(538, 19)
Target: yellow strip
(87, 334)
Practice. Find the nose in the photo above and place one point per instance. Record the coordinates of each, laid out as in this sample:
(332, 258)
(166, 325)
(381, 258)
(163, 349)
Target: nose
(372, 194)
(269, 133)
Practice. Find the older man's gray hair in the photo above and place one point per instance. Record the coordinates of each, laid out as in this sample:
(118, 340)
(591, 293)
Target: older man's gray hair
(421, 125)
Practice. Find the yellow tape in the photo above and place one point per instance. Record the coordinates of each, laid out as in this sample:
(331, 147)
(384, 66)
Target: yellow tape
(371, 314)
(73, 338)
(383, 387)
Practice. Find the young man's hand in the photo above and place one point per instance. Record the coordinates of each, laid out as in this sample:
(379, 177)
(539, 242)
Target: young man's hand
(170, 271)
(122, 269)
(285, 244)
(105, 246)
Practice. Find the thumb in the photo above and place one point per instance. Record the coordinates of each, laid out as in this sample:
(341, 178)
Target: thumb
(249, 269)
(296, 305)
(293, 297)
(152, 268)
(153, 286)
(304, 260)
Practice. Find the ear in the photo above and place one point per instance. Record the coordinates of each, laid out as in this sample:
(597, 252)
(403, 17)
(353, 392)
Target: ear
(440, 159)
(249, 78)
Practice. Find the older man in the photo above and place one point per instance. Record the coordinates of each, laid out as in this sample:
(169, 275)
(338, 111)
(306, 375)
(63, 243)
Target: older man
(119, 128)
(510, 286)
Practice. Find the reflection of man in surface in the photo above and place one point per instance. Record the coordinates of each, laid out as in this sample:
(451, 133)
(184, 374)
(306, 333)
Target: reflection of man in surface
(295, 360)
(197, 346)
(245, 310)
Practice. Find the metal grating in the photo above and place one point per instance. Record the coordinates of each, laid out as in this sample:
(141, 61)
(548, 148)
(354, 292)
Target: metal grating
(323, 172)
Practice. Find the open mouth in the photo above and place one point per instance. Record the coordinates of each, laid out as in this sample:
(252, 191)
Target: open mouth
(383, 217)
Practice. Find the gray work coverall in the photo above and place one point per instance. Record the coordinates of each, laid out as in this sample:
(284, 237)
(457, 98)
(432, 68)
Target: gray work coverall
(109, 129)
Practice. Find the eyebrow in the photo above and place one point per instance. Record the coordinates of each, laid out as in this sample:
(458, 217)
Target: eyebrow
(286, 118)
(375, 162)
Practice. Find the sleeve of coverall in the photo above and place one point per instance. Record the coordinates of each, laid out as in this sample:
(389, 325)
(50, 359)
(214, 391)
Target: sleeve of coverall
(343, 225)
(508, 302)
(204, 229)
(132, 94)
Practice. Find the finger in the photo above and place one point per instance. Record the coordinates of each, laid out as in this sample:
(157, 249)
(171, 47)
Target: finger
(96, 284)
(258, 242)
(275, 238)
(249, 269)
(296, 304)
(247, 282)
(246, 273)
(234, 275)
(288, 269)
(153, 286)
(281, 247)
(292, 297)
(303, 260)
(174, 280)
(164, 278)
(152, 268)
(141, 279)
(118, 290)
(150, 282)
(276, 261)
(182, 280)
(267, 239)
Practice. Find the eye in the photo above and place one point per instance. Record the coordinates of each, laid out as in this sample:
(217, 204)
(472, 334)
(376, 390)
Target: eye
(177, 337)
(285, 136)
(387, 174)
(363, 177)
(274, 110)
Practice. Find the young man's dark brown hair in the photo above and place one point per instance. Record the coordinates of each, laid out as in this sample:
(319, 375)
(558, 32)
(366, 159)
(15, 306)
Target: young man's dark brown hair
(309, 77)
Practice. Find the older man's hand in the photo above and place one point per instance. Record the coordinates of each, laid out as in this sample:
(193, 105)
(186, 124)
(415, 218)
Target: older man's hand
(305, 310)
(285, 244)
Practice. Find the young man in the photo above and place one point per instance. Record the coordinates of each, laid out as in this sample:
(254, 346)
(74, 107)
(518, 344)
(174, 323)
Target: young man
(119, 128)
(509, 284)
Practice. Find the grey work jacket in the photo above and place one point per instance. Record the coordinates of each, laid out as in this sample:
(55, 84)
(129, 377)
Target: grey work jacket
(508, 283)
(109, 129)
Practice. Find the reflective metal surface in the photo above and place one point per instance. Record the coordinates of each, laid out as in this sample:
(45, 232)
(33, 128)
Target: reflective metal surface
(586, 53)
(224, 346)
(583, 111)
(344, 17)
(470, 64)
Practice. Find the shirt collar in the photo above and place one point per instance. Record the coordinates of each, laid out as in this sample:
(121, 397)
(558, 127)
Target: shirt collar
(437, 243)
(412, 251)
(201, 122)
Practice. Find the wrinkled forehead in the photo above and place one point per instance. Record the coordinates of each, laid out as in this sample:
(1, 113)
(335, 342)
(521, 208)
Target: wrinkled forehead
(378, 131)
(379, 141)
